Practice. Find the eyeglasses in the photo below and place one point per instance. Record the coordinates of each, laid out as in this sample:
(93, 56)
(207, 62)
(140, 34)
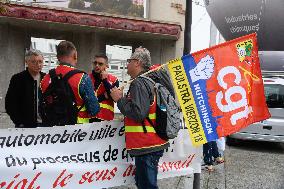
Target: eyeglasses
(129, 60)
(98, 63)
(39, 62)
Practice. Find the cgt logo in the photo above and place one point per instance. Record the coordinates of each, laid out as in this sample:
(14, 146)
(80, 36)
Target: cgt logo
(232, 103)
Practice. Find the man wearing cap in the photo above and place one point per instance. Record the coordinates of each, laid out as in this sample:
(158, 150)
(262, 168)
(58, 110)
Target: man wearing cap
(103, 82)
(140, 102)
(21, 102)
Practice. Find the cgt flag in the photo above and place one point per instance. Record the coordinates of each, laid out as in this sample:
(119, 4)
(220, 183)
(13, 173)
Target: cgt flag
(220, 89)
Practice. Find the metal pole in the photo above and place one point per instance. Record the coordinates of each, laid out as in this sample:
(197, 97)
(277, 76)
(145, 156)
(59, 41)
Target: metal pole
(187, 27)
(186, 50)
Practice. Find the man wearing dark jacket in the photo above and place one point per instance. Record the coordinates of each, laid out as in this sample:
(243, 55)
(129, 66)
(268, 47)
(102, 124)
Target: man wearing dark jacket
(142, 142)
(23, 94)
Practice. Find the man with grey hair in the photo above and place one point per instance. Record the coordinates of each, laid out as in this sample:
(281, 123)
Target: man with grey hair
(22, 98)
(139, 109)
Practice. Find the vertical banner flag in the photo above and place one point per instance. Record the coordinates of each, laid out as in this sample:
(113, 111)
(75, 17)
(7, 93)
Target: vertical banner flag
(220, 89)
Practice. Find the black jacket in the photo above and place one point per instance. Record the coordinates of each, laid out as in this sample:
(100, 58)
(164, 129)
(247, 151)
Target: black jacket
(20, 101)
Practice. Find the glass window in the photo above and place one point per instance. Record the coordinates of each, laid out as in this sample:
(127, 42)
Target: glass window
(114, 67)
(274, 94)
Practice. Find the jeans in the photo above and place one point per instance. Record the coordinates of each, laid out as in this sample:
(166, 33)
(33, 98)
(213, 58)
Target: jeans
(210, 152)
(147, 170)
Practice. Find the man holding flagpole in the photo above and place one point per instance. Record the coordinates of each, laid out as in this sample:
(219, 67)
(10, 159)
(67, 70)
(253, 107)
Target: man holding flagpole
(142, 142)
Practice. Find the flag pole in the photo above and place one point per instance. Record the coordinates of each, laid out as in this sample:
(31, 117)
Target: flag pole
(186, 50)
(146, 73)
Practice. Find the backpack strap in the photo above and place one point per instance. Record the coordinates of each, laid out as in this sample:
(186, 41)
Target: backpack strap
(145, 83)
(148, 119)
(52, 74)
(66, 77)
(144, 127)
(148, 78)
(71, 73)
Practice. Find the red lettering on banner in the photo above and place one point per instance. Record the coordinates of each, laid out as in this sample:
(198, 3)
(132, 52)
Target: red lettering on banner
(176, 165)
(31, 186)
(22, 183)
(11, 183)
(99, 175)
(86, 177)
(2, 184)
(62, 182)
(130, 170)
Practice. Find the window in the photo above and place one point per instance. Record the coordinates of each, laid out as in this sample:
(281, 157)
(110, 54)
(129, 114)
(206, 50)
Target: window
(51, 47)
(33, 45)
(274, 94)
(114, 67)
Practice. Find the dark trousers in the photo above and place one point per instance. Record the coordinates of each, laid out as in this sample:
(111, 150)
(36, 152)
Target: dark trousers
(147, 170)
(210, 152)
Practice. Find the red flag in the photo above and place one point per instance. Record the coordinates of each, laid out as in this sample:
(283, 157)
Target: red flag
(220, 89)
(237, 98)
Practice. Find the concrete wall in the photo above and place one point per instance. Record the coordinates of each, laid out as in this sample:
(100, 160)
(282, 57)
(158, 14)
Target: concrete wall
(15, 39)
(164, 11)
(161, 50)
(13, 42)
(12, 48)
(87, 44)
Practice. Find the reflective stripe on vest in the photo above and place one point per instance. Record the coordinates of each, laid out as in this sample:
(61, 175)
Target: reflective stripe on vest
(152, 116)
(139, 129)
(106, 106)
(83, 120)
(83, 116)
(82, 109)
(135, 136)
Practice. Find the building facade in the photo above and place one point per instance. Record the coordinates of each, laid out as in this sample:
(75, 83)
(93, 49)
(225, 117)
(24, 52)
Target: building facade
(161, 32)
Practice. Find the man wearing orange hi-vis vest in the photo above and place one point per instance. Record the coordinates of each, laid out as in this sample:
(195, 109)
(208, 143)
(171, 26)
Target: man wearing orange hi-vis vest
(103, 82)
(139, 108)
(68, 93)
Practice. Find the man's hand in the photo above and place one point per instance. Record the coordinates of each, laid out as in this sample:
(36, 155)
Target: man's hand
(116, 93)
(104, 75)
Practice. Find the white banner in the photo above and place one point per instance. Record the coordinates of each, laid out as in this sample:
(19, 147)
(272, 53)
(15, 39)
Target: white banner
(82, 156)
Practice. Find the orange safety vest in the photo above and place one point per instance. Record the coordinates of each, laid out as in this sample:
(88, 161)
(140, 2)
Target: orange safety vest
(106, 106)
(74, 82)
(135, 136)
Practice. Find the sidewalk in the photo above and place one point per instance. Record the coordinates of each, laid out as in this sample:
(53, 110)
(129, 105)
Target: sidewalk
(213, 180)
(183, 182)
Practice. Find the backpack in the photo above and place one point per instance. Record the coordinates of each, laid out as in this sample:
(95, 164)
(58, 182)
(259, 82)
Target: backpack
(167, 112)
(58, 101)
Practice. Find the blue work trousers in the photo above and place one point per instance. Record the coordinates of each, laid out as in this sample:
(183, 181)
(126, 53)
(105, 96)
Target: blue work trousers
(147, 170)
